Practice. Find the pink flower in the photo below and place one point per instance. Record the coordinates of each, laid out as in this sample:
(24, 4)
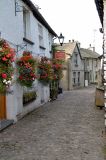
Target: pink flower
(8, 55)
(4, 75)
(4, 59)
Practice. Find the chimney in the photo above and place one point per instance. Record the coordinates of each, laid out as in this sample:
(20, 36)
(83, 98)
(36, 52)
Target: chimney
(93, 49)
(90, 46)
(79, 44)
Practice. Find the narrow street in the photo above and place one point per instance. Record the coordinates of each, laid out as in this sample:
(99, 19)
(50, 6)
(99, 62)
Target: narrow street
(69, 128)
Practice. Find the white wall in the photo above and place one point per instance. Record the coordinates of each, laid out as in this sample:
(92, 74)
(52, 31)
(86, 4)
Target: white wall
(11, 28)
(78, 68)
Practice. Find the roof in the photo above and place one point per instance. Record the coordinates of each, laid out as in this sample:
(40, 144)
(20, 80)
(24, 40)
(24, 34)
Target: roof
(99, 6)
(87, 53)
(67, 47)
(38, 16)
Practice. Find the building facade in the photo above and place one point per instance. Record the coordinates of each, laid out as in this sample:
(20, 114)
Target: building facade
(92, 65)
(24, 28)
(81, 68)
(73, 70)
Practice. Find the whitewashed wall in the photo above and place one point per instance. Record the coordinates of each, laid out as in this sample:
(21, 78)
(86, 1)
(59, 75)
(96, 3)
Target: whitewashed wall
(79, 68)
(11, 28)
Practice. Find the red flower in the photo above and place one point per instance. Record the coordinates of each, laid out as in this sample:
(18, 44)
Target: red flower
(4, 59)
(20, 77)
(4, 75)
(8, 55)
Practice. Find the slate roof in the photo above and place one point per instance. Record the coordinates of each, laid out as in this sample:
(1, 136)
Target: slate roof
(38, 16)
(87, 53)
(67, 47)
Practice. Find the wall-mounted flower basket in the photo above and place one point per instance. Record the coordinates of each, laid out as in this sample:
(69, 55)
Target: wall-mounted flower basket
(29, 97)
(57, 67)
(7, 55)
(45, 71)
(26, 66)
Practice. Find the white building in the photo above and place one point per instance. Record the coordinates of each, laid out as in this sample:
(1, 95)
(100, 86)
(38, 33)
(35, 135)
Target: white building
(73, 71)
(22, 25)
(92, 65)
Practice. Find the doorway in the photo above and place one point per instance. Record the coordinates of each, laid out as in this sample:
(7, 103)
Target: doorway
(2, 107)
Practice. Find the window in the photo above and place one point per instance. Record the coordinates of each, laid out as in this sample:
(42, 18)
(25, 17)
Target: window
(96, 75)
(74, 77)
(78, 77)
(87, 61)
(49, 39)
(90, 76)
(76, 59)
(40, 30)
(26, 23)
(96, 63)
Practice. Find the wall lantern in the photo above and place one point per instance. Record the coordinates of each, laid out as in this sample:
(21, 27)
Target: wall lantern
(61, 39)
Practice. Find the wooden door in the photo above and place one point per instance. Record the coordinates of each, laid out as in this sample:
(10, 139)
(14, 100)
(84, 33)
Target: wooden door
(2, 107)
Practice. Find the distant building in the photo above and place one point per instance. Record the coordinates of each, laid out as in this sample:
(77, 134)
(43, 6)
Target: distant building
(92, 65)
(73, 70)
(82, 66)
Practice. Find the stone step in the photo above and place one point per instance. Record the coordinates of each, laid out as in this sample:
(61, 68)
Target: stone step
(5, 123)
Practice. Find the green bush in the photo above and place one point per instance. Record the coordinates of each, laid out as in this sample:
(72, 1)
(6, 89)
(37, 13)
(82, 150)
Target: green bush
(53, 93)
(29, 97)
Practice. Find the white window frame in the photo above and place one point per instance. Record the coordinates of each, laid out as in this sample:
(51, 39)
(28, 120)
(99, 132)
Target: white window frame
(26, 23)
(40, 35)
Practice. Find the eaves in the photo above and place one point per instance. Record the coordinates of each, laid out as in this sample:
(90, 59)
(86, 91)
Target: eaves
(99, 6)
(38, 16)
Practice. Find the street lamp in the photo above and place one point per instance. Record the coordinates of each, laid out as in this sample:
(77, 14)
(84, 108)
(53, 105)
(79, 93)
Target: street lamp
(61, 39)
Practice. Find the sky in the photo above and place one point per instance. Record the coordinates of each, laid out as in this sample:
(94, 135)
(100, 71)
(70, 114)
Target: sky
(76, 19)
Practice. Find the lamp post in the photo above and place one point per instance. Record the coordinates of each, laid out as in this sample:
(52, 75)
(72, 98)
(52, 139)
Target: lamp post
(61, 39)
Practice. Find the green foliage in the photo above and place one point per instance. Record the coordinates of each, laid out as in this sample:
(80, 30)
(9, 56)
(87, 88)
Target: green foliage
(29, 97)
(53, 93)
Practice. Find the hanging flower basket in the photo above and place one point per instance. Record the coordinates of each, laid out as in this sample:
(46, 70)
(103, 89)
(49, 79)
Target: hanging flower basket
(45, 71)
(57, 67)
(26, 66)
(6, 66)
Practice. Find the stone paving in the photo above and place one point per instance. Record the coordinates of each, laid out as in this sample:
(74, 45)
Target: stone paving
(69, 128)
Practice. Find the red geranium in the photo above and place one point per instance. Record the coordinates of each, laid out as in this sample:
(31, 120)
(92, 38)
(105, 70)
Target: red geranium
(4, 75)
(26, 69)
(6, 67)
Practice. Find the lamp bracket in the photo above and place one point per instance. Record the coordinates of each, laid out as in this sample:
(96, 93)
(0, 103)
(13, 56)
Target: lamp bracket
(21, 47)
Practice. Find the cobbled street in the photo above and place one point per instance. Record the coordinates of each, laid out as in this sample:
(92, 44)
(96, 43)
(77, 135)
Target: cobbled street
(69, 128)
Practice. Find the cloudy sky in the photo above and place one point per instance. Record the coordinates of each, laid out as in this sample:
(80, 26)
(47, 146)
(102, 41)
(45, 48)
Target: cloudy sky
(76, 19)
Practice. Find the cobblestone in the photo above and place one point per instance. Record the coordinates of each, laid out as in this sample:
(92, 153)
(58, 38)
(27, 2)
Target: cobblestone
(69, 128)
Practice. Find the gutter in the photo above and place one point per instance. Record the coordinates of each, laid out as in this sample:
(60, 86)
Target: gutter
(99, 6)
(38, 16)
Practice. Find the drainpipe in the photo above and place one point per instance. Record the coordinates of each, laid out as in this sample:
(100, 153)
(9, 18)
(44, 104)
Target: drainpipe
(84, 72)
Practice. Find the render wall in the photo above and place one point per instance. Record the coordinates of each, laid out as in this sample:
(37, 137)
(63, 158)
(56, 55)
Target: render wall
(11, 28)
(77, 68)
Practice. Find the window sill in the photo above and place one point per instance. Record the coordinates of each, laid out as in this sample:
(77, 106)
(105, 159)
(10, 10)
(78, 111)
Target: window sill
(42, 47)
(28, 41)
